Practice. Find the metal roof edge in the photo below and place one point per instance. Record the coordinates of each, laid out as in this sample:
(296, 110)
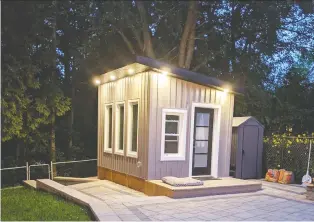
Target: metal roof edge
(188, 75)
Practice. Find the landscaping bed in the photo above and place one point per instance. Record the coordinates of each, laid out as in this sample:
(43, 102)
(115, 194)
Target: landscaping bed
(20, 203)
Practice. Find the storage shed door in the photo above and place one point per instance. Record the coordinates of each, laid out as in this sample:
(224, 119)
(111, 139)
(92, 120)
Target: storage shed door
(249, 152)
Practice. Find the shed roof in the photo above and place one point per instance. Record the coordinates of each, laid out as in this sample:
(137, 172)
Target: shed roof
(237, 121)
(141, 64)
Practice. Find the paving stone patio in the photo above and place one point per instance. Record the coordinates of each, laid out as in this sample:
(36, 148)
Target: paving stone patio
(113, 202)
(275, 202)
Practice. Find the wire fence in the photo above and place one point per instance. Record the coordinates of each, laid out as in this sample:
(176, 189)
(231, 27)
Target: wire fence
(81, 168)
(289, 153)
(14, 176)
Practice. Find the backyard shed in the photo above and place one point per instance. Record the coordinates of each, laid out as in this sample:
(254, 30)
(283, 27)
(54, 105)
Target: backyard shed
(246, 148)
(157, 120)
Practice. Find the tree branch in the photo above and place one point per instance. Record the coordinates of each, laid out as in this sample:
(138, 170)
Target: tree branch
(148, 47)
(125, 39)
(169, 52)
(185, 35)
(127, 42)
(299, 33)
(138, 38)
(191, 44)
(200, 65)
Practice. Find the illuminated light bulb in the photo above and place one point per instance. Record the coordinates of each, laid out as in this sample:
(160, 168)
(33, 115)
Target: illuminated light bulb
(165, 71)
(226, 90)
(130, 71)
(97, 81)
(112, 77)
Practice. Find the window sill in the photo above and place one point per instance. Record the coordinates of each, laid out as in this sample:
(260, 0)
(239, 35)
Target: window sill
(108, 151)
(132, 154)
(172, 158)
(121, 153)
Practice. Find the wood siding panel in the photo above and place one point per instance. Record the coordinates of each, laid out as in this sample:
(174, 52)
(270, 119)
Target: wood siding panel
(130, 87)
(226, 132)
(170, 92)
(99, 126)
(152, 146)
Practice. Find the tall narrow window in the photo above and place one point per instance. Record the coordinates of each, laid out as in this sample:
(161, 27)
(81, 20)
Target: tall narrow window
(132, 128)
(108, 128)
(173, 140)
(119, 146)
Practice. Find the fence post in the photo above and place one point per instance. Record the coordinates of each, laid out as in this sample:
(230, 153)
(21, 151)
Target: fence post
(51, 169)
(281, 158)
(27, 173)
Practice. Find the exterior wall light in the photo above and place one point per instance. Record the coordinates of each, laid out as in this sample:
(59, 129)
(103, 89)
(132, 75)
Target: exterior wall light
(130, 71)
(97, 82)
(165, 71)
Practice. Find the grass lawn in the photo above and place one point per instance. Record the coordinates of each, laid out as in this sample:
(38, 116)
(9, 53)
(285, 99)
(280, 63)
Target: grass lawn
(20, 203)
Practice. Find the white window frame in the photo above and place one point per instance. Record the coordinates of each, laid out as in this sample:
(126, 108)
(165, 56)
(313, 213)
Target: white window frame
(108, 149)
(117, 127)
(129, 151)
(182, 127)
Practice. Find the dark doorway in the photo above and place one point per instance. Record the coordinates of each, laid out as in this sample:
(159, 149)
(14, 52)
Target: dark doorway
(202, 141)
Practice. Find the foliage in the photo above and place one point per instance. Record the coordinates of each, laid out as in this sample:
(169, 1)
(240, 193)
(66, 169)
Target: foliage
(53, 49)
(22, 204)
(287, 139)
(289, 152)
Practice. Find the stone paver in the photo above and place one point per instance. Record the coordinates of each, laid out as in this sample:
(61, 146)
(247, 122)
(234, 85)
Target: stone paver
(113, 202)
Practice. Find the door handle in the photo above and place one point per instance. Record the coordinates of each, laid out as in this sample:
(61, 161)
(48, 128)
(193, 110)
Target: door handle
(242, 152)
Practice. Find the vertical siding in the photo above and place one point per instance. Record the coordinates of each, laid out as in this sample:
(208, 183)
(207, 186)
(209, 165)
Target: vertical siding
(225, 134)
(98, 128)
(122, 90)
(169, 92)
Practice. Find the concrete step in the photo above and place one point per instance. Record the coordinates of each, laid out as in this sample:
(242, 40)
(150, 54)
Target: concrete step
(30, 183)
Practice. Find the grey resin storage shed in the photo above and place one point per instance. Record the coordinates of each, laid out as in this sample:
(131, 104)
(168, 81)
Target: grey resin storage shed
(246, 148)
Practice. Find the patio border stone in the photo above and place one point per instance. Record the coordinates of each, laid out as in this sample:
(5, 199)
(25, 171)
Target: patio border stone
(100, 210)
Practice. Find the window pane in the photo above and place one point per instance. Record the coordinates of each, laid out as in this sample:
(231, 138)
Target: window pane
(201, 133)
(201, 146)
(171, 127)
(172, 117)
(110, 127)
(121, 128)
(200, 160)
(171, 147)
(175, 138)
(134, 127)
(202, 119)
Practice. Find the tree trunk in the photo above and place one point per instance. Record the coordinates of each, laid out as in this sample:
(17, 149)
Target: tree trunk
(68, 90)
(53, 143)
(71, 121)
(148, 46)
(191, 41)
(232, 48)
(187, 33)
(53, 78)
